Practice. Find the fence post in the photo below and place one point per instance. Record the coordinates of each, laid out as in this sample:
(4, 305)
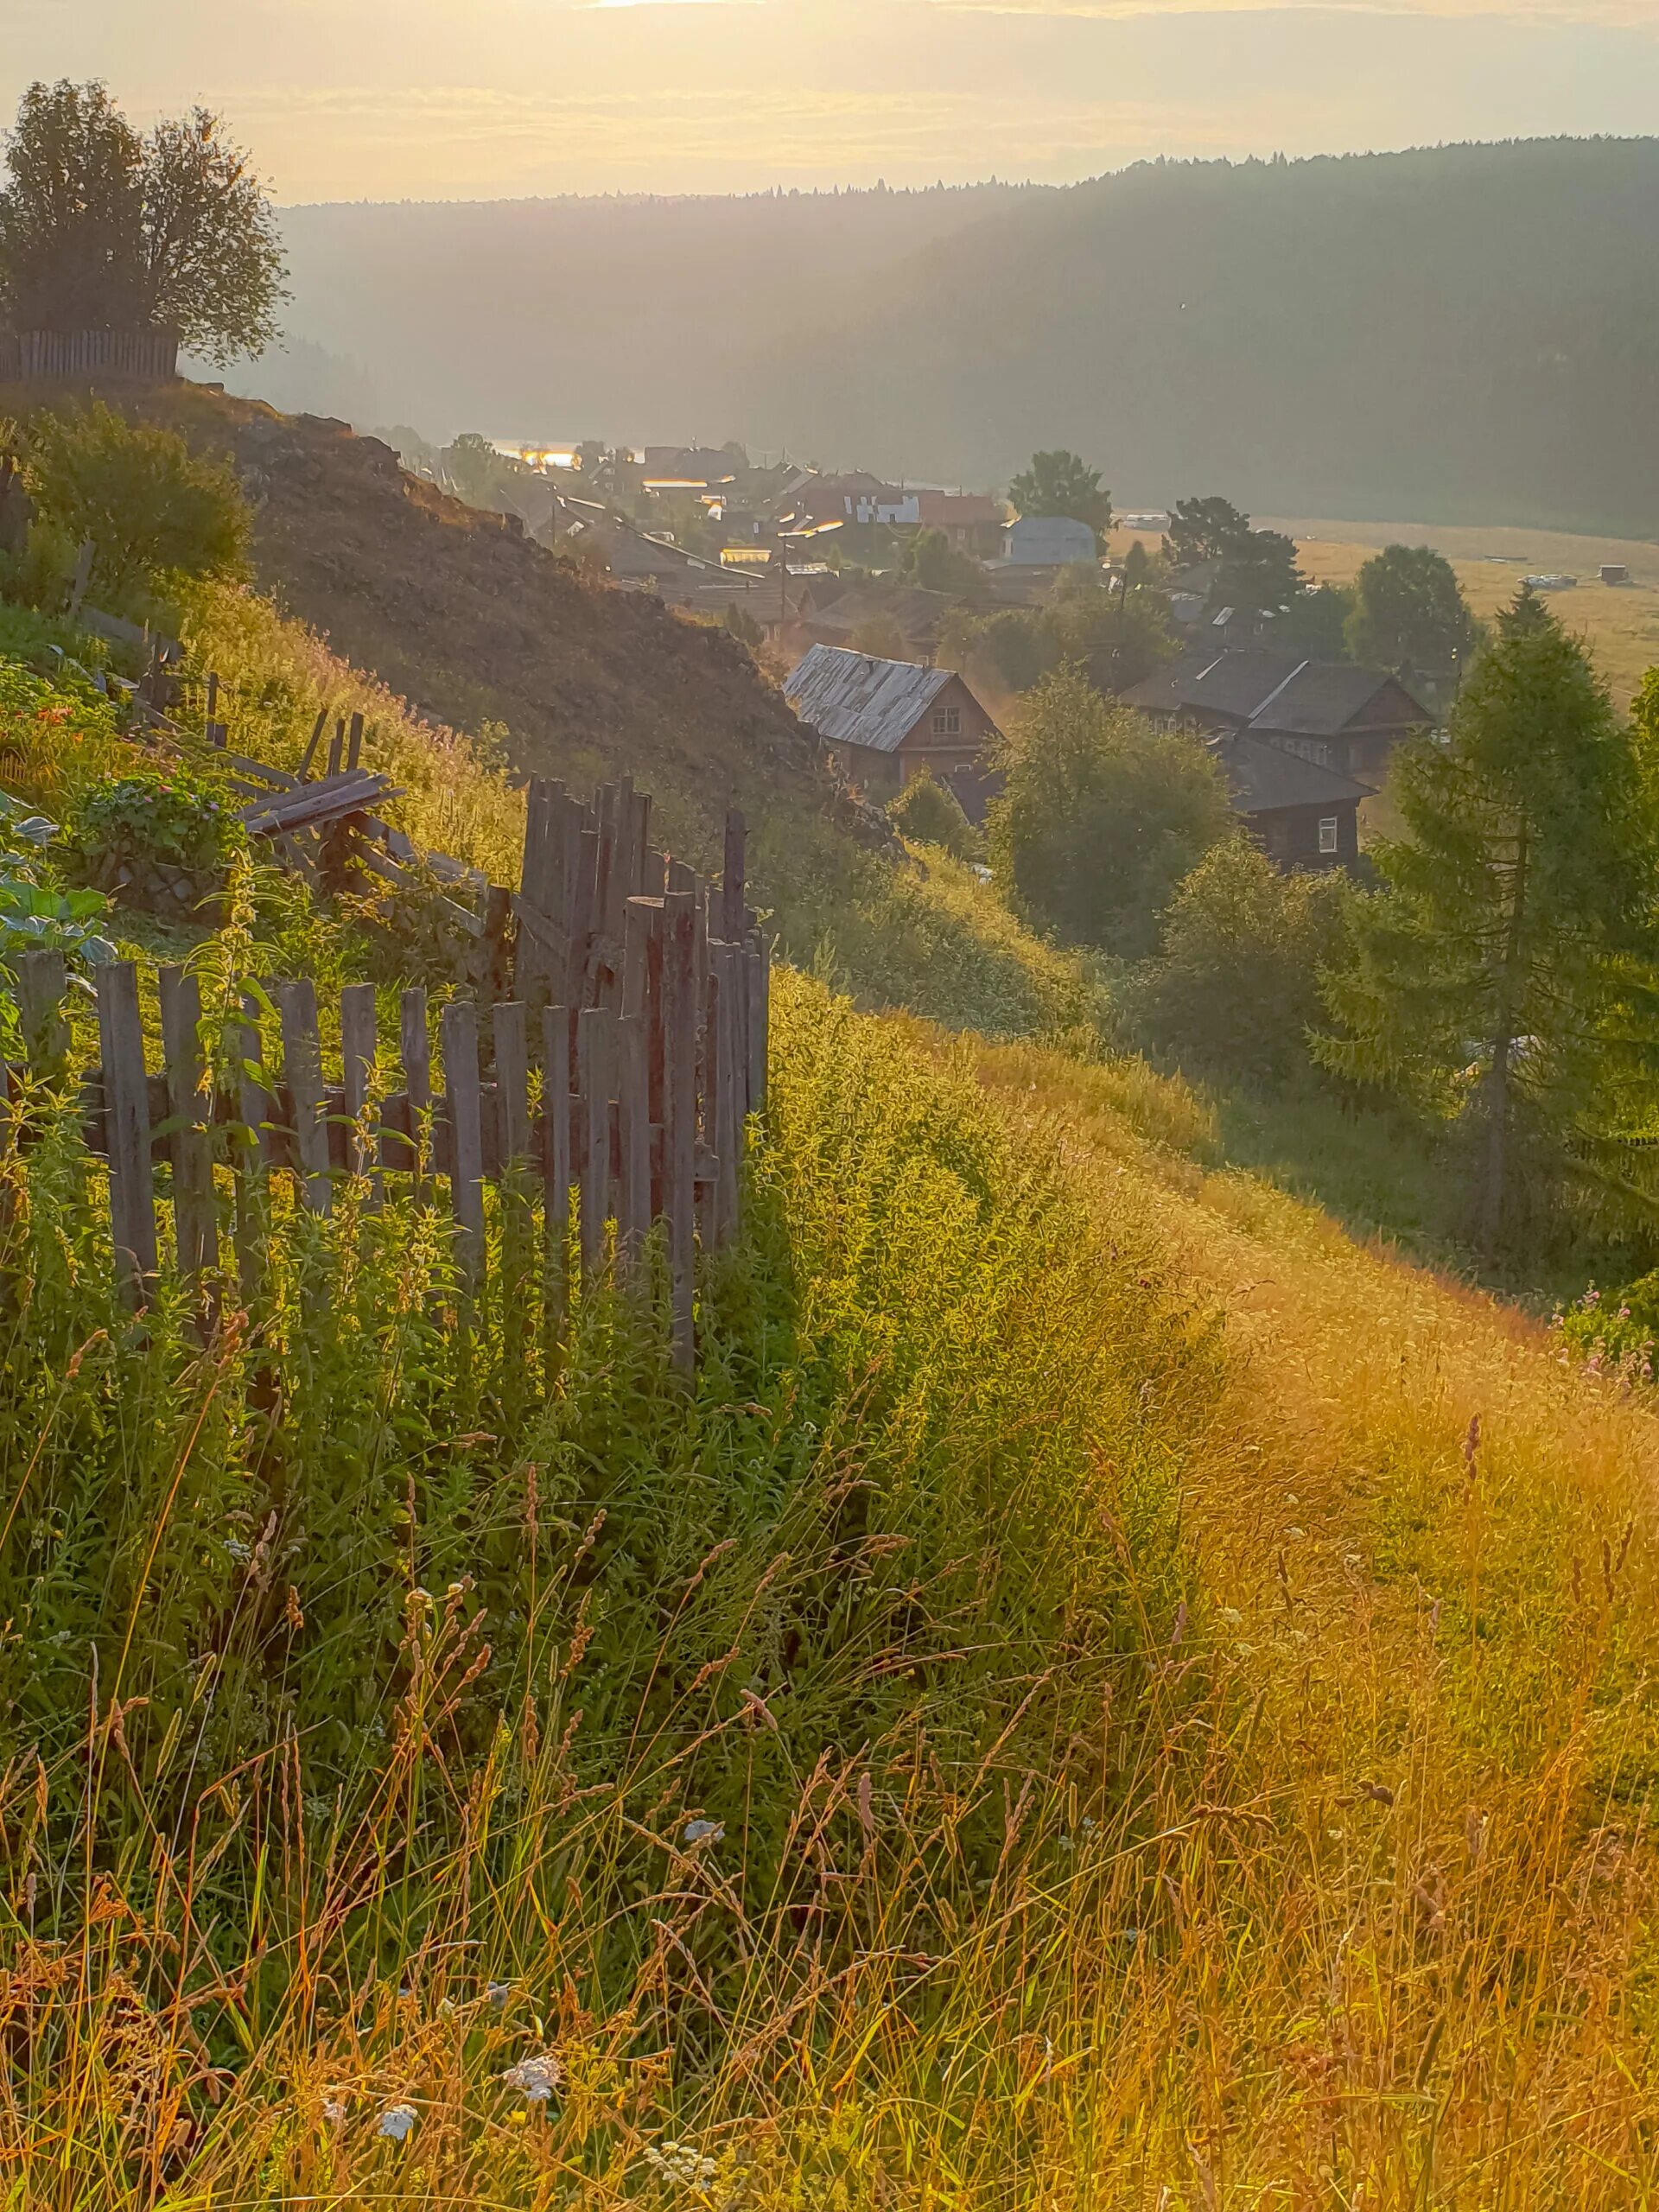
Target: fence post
(511, 1039)
(42, 982)
(458, 1033)
(126, 1105)
(680, 1116)
(303, 1073)
(195, 1224)
(760, 993)
(556, 1163)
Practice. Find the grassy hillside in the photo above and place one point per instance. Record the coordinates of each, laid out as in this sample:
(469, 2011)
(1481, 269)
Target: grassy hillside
(1110, 1695)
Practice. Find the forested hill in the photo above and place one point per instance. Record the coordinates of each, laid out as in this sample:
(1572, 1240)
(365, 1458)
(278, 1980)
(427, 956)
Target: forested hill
(1465, 333)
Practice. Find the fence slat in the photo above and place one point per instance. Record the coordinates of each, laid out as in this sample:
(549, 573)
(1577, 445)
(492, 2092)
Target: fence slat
(296, 1004)
(359, 1046)
(126, 1101)
(760, 988)
(680, 1116)
(511, 1038)
(733, 920)
(415, 1046)
(458, 1033)
(633, 1123)
(195, 1215)
(595, 1062)
(43, 983)
(729, 1059)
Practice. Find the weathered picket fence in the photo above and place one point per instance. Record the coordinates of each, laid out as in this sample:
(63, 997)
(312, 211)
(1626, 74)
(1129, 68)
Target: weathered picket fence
(610, 1092)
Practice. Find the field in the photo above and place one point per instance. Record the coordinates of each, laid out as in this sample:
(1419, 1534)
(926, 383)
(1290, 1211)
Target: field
(1620, 622)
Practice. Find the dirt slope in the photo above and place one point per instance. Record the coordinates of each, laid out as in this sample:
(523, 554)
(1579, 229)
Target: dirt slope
(474, 623)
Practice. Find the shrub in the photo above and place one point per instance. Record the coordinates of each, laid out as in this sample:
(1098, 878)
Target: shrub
(1102, 817)
(930, 813)
(57, 737)
(151, 507)
(124, 831)
(1236, 986)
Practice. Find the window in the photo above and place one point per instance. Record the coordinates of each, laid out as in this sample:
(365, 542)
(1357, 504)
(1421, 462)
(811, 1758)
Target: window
(947, 721)
(1328, 834)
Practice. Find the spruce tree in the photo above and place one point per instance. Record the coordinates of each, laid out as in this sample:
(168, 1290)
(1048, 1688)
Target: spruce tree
(1510, 964)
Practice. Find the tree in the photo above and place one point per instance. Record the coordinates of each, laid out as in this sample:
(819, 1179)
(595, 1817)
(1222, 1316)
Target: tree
(101, 229)
(1101, 817)
(1202, 530)
(1509, 966)
(1119, 631)
(930, 813)
(1257, 575)
(1060, 484)
(879, 635)
(1235, 986)
(1409, 612)
(933, 563)
(1314, 623)
(151, 507)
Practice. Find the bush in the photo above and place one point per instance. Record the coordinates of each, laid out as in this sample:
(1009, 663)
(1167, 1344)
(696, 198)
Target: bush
(57, 738)
(154, 838)
(1236, 986)
(151, 507)
(930, 813)
(1102, 817)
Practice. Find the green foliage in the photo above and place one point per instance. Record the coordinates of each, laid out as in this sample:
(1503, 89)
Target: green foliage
(1258, 576)
(58, 735)
(166, 816)
(1119, 631)
(743, 625)
(934, 563)
(1409, 612)
(1614, 1332)
(1009, 650)
(1204, 529)
(1507, 967)
(36, 914)
(1234, 987)
(930, 813)
(152, 508)
(1314, 623)
(1060, 484)
(1102, 817)
(879, 636)
(101, 228)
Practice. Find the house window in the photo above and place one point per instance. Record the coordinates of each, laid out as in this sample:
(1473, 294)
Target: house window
(1328, 834)
(947, 721)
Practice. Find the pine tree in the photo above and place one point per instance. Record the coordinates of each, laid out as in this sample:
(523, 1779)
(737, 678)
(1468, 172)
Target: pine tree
(1510, 964)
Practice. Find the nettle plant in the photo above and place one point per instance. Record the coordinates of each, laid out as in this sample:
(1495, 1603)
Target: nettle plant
(37, 914)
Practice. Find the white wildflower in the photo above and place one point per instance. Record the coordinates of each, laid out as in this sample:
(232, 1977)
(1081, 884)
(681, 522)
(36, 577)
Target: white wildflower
(396, 2121)
(682, 2162)
(704, 1831)
(534, 2079)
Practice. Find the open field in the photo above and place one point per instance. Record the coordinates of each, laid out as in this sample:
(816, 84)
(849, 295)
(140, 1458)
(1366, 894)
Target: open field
(1620, 622)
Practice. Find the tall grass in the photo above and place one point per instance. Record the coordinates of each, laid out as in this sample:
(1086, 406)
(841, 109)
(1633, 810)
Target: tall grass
(371, 1729)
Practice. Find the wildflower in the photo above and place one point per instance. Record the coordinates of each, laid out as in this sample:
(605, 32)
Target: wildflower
(396, 2121)
(1232, 1617)
(534, 2079)
(704, 1831)
(334, 2110)
(497, 1993)
(682, 2162)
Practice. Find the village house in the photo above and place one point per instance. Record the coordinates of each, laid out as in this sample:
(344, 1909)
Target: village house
(1048, 542)
(973, 522)
(1305, 817)
(887, 722)
(1332, 714)
(856, 497)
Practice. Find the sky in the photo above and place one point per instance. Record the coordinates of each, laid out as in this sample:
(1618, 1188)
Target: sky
(468, 99)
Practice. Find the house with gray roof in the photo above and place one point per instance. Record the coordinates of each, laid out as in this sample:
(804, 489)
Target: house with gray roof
(886, 721)
(1332, 712)
(1306, 818)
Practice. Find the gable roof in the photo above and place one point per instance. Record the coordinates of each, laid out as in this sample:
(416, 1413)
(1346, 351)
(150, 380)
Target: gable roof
(915, 612)
(853, 699)
(1266, 690)
(1261, 776)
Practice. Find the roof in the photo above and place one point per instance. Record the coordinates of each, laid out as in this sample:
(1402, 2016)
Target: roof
(852, 699)
(1268, 690)
(1261, 778)
(915, 612)
(962, 510)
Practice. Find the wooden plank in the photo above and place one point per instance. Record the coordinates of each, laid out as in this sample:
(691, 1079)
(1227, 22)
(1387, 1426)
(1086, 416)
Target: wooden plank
(732, 1060)
(337, 746)
(359, 1046)
(416, 1051)
(126, 1104)
(633, 1123)
(354, 744)
(732, 923)
(42, 985)
(680, 1117)
(715, 1132)
(585, 926)
(532, 957)
(296, 1005)
(511, 1040)
(513, 1084)
(310, 753)
(760, 992)
(195, 1214)
(595, 1076)
(458, 1034)
(252, 1110)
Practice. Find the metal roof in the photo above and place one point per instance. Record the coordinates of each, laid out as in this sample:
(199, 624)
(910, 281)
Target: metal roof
(1261, 776)
(853, 699)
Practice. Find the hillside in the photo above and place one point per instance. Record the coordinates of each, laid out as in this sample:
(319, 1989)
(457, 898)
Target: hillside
(1453, 335)
(473, 624)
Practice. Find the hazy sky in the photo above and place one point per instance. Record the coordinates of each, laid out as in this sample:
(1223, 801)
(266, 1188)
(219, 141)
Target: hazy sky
(479, 98)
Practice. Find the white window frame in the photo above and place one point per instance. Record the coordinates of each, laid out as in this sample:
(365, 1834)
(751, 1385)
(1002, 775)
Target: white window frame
(947, 721)
(1329, 826)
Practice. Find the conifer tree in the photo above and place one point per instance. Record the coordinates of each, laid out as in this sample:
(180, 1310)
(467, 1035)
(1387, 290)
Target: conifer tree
(1510, 964)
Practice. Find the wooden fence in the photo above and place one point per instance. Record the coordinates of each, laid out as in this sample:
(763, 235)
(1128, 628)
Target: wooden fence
(54, 356)
(611, 1086)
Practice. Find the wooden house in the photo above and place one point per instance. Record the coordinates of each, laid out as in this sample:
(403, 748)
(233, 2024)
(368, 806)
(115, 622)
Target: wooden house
(886, 721)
